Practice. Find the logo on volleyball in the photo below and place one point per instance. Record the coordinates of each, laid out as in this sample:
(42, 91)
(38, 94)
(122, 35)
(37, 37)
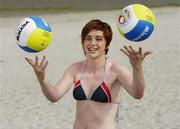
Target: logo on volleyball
(136, 22)
(33, 34)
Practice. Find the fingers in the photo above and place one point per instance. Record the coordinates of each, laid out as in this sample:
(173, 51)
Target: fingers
(128, 49)
(125, 52)
(43, 60)
(36, 61)
(36, 66)
(130, 52)
(43, 63)
(140, 51)
(29, 61)
(146, 53)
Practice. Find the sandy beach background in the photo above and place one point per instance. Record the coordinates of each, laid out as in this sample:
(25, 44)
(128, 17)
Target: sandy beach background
(81, 4)
(22, 104)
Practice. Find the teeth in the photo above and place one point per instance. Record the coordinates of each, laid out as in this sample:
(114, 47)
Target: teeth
(92, 49)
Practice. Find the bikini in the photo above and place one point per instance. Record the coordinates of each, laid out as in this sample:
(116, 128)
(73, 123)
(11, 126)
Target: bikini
(101, 93)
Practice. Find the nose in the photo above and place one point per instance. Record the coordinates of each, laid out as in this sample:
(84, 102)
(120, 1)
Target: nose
(93, 42)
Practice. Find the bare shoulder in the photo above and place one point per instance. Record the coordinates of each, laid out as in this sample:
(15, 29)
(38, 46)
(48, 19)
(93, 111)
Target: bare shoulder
(121, 73)
(75, 67)
(116, 67)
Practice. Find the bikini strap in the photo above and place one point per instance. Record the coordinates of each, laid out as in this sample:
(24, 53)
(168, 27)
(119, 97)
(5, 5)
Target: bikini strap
(120, 109)
(104, 67)
(83, 71)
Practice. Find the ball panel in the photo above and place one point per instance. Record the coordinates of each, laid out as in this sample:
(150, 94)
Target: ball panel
(39, 39)
(121, 33)
(130, 19)
(41, 23)
(141, 32)
(31, 36)
(145, 15)
(28, 27)
(25, 48)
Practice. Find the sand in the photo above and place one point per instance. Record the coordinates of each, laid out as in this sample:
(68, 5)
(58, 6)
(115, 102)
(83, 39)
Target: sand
(81, 4)
(23, 106)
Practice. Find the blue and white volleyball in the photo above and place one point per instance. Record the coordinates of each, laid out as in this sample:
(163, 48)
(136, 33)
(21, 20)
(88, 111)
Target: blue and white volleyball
(33, 34)
(136, 22)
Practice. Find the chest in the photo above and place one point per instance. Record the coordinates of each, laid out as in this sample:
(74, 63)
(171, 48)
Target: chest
(90, 82)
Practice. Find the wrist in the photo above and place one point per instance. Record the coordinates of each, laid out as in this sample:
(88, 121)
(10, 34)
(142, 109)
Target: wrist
(137, 68)
(41, 79)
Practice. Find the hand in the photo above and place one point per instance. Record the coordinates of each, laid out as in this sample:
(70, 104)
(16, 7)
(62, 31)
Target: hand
(39, 69)
(135, 57)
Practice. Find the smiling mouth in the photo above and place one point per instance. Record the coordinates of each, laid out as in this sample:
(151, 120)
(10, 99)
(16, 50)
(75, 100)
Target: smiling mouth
(92, 50)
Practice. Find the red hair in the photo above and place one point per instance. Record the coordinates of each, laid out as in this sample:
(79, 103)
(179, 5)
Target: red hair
(97, 24)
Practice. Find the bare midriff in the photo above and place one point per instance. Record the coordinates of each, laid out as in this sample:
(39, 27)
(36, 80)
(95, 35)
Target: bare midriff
(95, 115)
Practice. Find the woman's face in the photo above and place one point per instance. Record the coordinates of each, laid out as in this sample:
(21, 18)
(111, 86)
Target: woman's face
(94, 44)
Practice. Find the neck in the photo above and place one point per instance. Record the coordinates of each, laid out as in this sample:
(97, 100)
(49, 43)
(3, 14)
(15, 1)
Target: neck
(95, 63)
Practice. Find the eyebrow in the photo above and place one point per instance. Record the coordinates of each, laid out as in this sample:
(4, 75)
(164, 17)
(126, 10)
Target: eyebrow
(98, 36)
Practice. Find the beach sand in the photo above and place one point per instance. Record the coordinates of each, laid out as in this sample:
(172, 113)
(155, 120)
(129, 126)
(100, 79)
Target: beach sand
(23, 106)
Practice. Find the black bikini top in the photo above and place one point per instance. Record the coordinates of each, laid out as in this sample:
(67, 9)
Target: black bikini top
(100, 94)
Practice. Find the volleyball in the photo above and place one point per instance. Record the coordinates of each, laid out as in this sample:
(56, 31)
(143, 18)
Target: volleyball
(33, 34)
(136, 22)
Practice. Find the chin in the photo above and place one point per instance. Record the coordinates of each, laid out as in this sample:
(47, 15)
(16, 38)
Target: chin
(93, 56)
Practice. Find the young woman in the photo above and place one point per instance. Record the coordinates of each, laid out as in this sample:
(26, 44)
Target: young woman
(96, 80)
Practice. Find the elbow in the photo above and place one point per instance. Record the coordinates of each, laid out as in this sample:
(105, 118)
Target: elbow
(139, 96)
(53, 100)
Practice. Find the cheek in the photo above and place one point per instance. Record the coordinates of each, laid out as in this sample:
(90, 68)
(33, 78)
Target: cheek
(84, 46)
(84, 49)
(103, 46)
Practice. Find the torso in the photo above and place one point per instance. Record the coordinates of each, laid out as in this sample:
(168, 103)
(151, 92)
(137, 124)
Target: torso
(97, 115)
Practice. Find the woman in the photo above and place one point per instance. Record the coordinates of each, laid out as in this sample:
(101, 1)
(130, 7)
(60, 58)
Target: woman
(96, 80)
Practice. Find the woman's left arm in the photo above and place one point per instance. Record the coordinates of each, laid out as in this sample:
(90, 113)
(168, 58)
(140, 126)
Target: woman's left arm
(135, 84)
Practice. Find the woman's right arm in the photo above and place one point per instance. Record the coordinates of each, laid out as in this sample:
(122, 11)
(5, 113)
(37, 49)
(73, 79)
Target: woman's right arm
(52, 93)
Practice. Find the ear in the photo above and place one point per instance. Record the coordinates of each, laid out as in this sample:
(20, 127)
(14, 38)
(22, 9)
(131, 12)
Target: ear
(106, 51)
(84, 52)
(83, 49)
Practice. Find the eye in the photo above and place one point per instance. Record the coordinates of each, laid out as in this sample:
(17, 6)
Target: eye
(88, 38)
(98, 39)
